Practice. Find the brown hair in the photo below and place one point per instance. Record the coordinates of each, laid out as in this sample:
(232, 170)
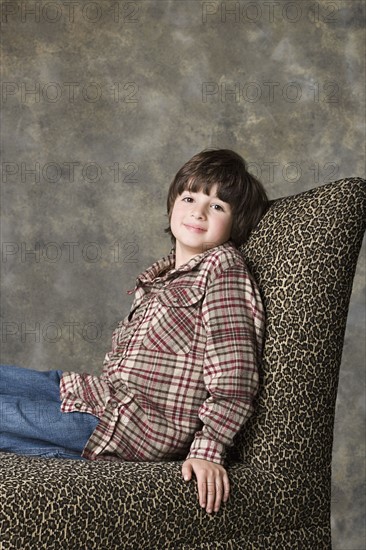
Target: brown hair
(226, 169)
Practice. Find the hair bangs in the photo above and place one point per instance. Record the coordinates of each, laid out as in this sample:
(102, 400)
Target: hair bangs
(205, 182)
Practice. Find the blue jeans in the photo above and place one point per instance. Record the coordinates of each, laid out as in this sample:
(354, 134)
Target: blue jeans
(31, 421)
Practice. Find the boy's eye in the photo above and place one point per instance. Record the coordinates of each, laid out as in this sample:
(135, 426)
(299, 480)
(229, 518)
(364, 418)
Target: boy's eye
(218, 207)
(187, 199)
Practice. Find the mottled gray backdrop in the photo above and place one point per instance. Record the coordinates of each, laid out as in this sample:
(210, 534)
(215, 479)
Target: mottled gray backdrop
(103, 101)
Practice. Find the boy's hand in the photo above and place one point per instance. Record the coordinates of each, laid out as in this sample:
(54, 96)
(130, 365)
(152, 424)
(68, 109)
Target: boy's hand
(212, 480)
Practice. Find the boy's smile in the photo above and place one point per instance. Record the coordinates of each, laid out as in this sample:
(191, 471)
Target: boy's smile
(199, 222)
(194, 228)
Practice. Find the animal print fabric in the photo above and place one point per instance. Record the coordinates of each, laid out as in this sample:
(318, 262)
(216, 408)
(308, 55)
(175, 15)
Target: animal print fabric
(303, 254)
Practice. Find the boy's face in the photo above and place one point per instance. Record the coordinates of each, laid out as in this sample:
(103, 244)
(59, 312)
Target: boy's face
(199, 222)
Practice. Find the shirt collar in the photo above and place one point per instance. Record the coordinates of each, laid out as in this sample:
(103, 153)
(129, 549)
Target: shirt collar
(157, 269)
(164, 268)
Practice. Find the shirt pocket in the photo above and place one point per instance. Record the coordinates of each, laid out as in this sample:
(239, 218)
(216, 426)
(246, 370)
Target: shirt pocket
(173, 326)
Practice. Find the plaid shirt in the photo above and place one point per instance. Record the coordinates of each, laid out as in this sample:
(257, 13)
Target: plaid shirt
(182, 373)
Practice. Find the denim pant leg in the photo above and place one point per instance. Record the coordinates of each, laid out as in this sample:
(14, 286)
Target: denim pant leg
(23, 382)
(31, 421)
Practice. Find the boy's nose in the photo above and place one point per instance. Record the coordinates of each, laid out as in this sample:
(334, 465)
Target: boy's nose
(198, 212)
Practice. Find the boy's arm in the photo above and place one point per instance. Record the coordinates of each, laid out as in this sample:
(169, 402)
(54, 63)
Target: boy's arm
(234, 320)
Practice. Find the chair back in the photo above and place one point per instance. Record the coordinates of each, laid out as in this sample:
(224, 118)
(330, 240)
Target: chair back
(303, 255)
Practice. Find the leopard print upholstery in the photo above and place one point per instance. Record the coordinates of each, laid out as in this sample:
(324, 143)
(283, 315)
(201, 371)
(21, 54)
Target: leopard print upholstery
(303, 254)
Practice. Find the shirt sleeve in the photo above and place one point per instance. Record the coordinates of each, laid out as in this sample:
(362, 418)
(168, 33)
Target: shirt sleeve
(233, 317)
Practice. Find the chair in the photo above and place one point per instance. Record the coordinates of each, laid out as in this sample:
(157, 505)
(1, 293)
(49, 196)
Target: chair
(303, 254)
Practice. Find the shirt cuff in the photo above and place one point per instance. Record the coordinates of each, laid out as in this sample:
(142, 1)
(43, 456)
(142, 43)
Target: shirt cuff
(207, 449)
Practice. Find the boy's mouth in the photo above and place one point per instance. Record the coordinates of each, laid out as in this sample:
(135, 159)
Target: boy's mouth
(194, 228)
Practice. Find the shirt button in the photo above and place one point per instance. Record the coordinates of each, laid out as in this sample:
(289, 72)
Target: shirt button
(77, 405)
(114, 404)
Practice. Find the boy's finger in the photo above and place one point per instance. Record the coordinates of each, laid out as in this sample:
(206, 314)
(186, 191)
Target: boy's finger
(211, 495)
(202, 492)
(219, 494)
(187, 472)
(226, 488)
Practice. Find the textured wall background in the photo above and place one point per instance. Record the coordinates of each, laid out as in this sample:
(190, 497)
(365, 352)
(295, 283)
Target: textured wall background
(103, 101)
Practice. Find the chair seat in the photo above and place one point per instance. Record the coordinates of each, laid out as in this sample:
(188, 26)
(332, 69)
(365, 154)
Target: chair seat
(69, 504)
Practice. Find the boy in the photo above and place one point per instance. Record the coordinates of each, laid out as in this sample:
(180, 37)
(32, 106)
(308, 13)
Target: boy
(182, 373)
